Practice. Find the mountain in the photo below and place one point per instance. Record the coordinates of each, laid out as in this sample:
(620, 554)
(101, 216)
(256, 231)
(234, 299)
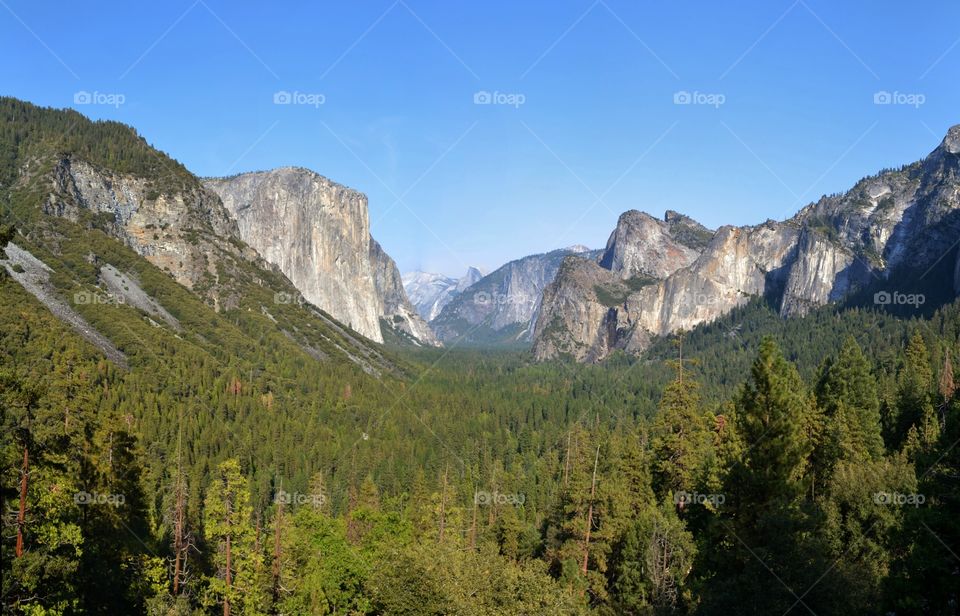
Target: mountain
(501, 307)
(886, 233)
(113, 234)
(429, 293)
(318, 233)
(397, 315)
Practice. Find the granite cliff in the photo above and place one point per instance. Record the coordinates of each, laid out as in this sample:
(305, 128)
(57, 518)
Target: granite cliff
(652, 280)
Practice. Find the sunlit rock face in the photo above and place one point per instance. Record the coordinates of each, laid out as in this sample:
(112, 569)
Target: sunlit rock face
(318, 233)
(658, 276)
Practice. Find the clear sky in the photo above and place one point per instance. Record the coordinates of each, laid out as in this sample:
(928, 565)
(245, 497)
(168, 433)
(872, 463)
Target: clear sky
(582, 121)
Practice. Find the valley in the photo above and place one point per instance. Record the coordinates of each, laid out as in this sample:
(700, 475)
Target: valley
(221, 394)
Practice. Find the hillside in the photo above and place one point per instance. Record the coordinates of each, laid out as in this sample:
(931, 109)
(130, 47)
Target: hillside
(157, 408)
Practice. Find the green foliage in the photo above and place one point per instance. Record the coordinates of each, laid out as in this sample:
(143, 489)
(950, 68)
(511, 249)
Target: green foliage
(228, 528)
(580, 464)
(611, 295)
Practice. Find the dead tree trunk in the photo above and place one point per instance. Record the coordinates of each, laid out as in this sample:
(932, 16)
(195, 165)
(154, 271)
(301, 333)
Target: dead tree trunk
(586, 537)
(22, 512)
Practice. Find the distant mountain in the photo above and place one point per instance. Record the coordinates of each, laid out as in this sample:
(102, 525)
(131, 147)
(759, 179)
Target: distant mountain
(318, 233)
(429, 293)
(892, 233)
(500, 308)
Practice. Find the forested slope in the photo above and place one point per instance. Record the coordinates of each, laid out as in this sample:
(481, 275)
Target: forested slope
(755, 465)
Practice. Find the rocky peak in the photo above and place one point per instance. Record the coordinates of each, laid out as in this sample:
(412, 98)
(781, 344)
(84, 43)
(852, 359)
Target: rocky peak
(951, 143)
(898, 219)
(502, 307)
(644, 246)
(468, 279)
(318, 233)
(395, 310)
(183, 228)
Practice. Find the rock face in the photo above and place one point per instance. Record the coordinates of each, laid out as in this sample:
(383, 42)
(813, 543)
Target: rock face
(429, 293)
(584, 314)
(501, 307)
(643, 246)
(186, 232)
(394, 307)
(652, 280)
(318, 233)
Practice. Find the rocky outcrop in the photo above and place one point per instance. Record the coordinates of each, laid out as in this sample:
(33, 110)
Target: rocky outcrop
(34, 276)
(903, 218)
(318, 233)
(394, 308)
(644, 246)
(184, 231)
(429, 293)
(502, 307)
(582, 315)
(739, 263)
(823, 271)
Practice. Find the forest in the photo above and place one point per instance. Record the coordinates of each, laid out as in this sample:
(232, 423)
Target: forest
(823, 479)
(241, 463)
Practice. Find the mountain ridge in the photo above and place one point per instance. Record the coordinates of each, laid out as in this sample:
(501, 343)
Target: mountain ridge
(825, 252)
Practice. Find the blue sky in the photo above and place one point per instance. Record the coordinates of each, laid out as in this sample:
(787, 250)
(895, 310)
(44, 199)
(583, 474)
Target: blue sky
(583, 123)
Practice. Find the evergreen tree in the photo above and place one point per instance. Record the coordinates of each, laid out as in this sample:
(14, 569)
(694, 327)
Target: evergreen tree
(762, 554)
(847, 395)
(238, 586)
(681, 441)
(916, 422)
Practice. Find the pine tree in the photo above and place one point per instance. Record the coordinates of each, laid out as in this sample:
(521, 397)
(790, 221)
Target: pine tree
(914, 404)
(227, 517)
(766, 525)
(682, 441)
(775, 414)
(847, 396)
